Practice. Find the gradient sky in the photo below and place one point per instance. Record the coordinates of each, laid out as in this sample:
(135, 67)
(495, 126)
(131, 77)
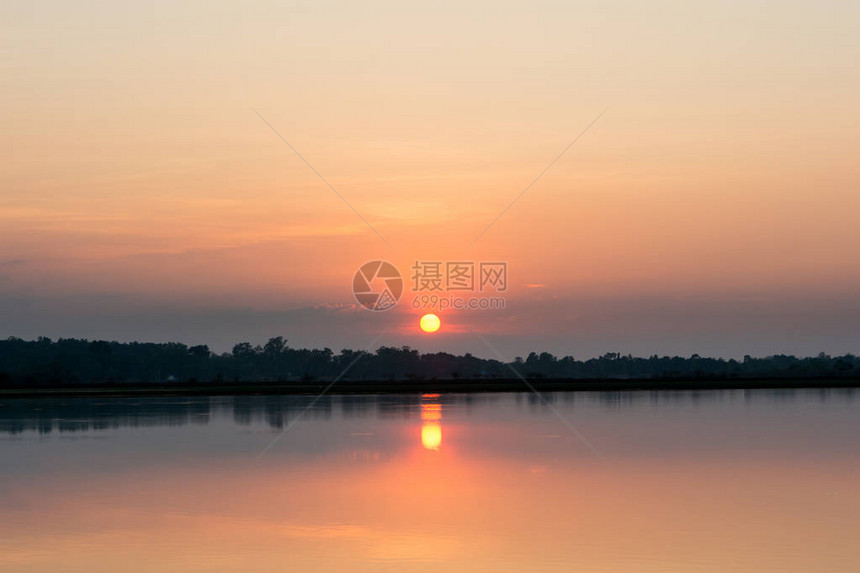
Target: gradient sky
(712, 209)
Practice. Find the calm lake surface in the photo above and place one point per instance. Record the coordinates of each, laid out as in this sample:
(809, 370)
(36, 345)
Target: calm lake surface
(658, 482)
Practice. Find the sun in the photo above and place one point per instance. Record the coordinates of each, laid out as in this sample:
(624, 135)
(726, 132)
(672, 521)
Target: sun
(430, 323)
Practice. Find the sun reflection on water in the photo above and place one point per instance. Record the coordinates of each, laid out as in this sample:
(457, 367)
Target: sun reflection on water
(431, 417)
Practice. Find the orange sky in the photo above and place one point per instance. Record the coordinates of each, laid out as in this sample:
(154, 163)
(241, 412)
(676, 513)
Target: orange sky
(139, 180)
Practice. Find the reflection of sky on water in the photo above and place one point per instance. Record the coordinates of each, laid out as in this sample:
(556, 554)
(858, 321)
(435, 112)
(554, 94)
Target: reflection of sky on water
(743, 480)
(664, 424)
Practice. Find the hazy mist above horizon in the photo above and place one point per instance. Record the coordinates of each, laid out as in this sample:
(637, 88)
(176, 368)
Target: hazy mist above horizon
(712, 209)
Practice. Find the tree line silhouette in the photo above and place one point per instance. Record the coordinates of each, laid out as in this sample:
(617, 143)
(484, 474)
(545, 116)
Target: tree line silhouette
(70, 361)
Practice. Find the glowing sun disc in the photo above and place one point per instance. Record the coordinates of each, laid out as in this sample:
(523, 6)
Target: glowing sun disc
(430, 323)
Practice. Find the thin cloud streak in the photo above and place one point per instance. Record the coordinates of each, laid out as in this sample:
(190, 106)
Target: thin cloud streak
(535, 180)
(324, 180)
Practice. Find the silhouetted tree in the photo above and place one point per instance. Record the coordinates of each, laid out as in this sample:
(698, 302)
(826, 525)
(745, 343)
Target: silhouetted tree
(275, 346)
(73, 361)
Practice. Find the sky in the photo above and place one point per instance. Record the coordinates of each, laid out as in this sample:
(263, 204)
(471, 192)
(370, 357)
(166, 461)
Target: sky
(712, 208)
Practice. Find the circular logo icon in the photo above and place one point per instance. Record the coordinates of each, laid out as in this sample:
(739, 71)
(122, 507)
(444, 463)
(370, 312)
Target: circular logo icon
(377, 285)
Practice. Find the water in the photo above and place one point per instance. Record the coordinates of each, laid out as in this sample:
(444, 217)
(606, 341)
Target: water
(653, 482)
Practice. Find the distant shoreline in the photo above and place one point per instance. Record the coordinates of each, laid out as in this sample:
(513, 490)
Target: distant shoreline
(420, 387)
